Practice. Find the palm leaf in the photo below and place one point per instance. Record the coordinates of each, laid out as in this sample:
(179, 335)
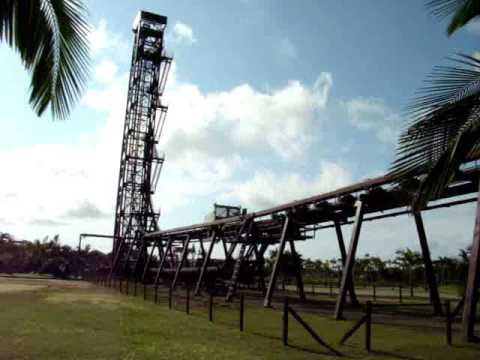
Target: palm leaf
(444, 129)
(51, 38)
(462, 11)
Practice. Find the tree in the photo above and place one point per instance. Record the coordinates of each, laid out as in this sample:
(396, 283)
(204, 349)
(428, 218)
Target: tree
(444, 131)
(409, 261)
(462, 12)
(51, 39)
(289, 265)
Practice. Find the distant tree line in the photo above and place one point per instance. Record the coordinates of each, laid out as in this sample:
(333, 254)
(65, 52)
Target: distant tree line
(48, 256)
(405, 268)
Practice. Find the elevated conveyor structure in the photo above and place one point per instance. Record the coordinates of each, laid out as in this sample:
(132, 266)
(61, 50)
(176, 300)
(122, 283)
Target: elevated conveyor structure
(254, 233)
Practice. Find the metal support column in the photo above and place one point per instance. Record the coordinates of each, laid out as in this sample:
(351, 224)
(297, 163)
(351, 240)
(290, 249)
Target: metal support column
(427, 261)
(162, 261)
(267, 302)
(343, 253)
(206, 259)
(347, 269)
(298, 271)
(149, 260)
(473, 282)
(182, 261)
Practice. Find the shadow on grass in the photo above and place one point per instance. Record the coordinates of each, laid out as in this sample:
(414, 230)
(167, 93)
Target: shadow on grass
(311, 351)
(394, 355)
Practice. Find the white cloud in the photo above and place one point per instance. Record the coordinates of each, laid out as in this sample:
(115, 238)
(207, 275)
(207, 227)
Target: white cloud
(101, 38)
(183, 33)
(374, 115)
(98, 37)
(245, 118)
(267, 188)
(105, 71)
(85, 210)
(474, 26)
(288, 49)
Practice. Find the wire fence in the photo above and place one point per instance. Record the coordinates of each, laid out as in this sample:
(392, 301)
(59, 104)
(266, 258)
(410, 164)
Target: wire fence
(235, 312)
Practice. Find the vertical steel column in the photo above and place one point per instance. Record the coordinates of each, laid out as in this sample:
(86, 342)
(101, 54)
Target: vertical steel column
(427, 261)
(267, 302)
(347, 269)
(206, 259)
(149, 260)
(162, 261)
(473, 282)
(343, 253)
(182, 261)
(298, 271)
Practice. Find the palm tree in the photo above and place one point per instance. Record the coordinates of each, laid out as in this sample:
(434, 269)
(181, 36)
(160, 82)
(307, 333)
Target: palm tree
(51, 39)
(463, 12)
(409, 261)
(444, 131)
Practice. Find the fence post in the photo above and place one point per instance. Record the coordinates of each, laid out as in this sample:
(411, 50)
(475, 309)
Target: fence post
(127, 287)
(187, 302)
(210, 308)
(400, 293)
(135, 287)
(155, 299)
(411, 290)
(242, 311)
(331, 289)
(170, 298)
(368, 327)
(285, 322)
(374, 292)
(144, 291)
(449, 322)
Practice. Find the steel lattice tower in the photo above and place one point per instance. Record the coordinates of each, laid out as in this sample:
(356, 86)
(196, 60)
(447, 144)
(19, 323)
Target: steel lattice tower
(140, 163)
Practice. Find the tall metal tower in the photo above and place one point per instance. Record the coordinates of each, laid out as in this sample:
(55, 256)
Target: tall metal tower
(140, 163)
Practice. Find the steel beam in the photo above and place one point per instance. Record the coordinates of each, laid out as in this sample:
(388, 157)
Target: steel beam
(182, 261)
(298, 272)
(206, 259)
(473, 282)
(149, 260)
(267, 302)
(246, 227)
(162, 260)
(343, 254)
(427, 261)
(350, 261)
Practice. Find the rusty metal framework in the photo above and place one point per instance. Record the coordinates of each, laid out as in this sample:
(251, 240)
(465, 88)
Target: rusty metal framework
(140, 163)
(244, 239)
(232, 245)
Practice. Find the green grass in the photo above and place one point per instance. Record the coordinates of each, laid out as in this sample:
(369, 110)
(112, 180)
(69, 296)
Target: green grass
(96, 323)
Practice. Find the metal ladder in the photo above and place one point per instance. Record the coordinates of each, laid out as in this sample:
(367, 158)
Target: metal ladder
(236, 272)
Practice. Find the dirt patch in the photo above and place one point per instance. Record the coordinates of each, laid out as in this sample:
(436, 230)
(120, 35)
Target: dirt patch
(15, 287)
(109, 301)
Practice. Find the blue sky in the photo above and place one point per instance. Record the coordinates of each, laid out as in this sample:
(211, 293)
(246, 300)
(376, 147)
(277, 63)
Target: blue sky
(269, 101)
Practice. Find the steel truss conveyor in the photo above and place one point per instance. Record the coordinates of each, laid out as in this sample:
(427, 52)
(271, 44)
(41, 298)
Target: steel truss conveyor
(253, 233)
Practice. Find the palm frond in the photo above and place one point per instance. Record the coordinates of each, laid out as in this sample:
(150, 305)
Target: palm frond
(444, 129)
(51, 37)
(465, 146)
(462, 11)
(449, 100)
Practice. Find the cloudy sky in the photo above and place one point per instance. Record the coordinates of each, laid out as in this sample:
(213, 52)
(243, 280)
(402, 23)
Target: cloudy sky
(269, 101)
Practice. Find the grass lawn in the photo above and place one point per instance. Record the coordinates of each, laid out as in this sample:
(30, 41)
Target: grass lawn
(58, 322)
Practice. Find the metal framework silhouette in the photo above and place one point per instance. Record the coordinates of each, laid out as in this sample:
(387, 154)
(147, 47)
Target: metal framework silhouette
(140, 162)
